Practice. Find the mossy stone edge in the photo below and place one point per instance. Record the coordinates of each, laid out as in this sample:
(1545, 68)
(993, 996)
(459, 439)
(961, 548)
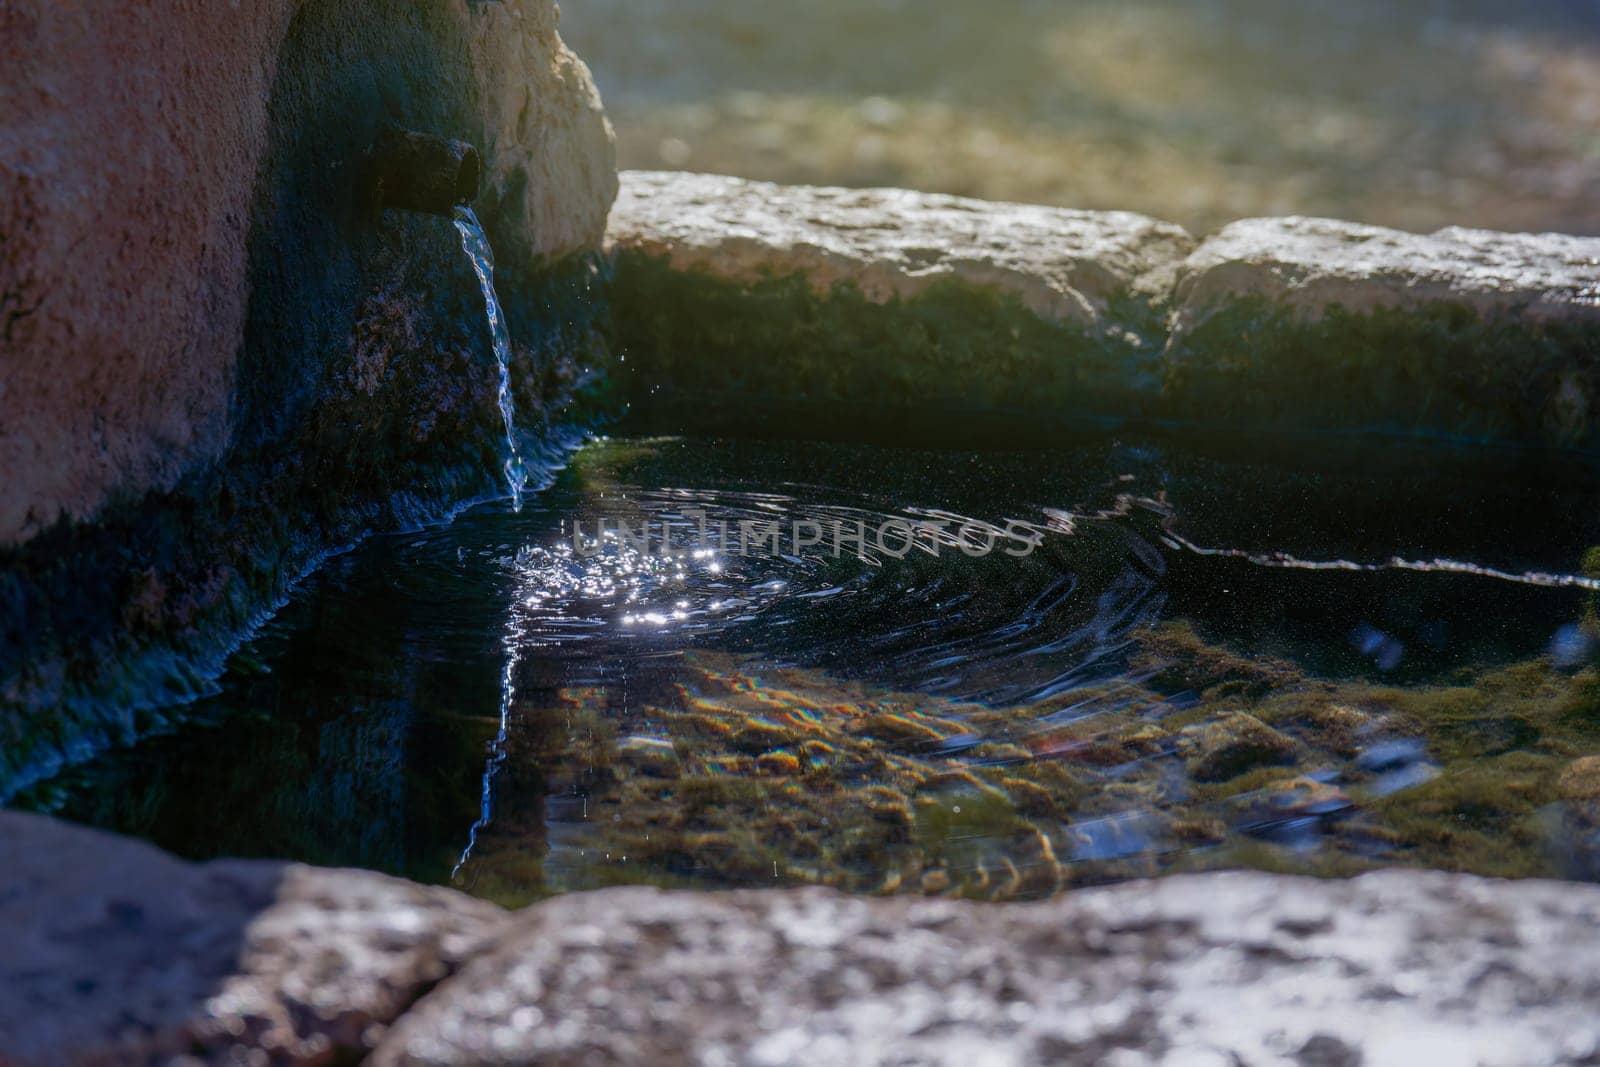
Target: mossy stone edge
(704, 352)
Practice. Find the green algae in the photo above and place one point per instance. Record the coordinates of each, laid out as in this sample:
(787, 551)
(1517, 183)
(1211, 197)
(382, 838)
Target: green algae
(1476, 816)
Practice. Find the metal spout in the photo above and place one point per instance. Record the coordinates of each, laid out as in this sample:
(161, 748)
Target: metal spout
(419, 172)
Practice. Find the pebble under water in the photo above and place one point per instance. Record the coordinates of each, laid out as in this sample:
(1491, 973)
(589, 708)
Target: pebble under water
(994, 674)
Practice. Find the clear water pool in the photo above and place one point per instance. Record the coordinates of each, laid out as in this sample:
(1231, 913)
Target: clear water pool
(713, 663)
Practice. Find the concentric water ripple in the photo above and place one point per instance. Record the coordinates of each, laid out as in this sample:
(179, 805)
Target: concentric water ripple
(1035, 612)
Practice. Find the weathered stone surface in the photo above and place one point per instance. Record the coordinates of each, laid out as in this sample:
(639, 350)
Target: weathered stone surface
(550, 153)
(1063, 265)
(220, 362)
(1387, 969)
(880, 313)
(130, 146)
(116, 951)
(127, 153)
(1312, 264)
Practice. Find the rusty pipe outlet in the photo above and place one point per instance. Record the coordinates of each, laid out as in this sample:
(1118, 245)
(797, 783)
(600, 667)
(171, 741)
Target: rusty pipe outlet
(419, 172)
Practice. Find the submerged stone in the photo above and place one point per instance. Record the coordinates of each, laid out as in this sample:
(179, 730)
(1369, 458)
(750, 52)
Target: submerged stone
(1579, 789)
(1577, 828)
(1235, 742)
(599, 746)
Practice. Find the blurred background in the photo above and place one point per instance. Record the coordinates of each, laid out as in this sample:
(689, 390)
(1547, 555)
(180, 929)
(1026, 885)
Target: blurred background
(1408, 114)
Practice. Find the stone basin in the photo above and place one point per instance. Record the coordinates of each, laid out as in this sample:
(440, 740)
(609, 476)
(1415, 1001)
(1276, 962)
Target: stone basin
(226, 363)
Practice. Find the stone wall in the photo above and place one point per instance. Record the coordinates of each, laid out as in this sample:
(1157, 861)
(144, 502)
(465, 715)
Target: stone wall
(916, 310)
(1491, 337)
(220, 361)
(129, 161)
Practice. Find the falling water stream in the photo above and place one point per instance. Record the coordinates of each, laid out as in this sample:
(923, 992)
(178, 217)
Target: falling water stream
(475, 243)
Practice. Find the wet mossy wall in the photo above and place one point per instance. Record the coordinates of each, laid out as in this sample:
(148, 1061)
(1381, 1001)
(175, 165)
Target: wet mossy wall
(363, 398)
(1440, 370)
(704, 352)
(701, 352)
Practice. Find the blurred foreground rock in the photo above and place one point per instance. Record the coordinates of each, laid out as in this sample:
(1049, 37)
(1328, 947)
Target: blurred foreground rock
(117, 952)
